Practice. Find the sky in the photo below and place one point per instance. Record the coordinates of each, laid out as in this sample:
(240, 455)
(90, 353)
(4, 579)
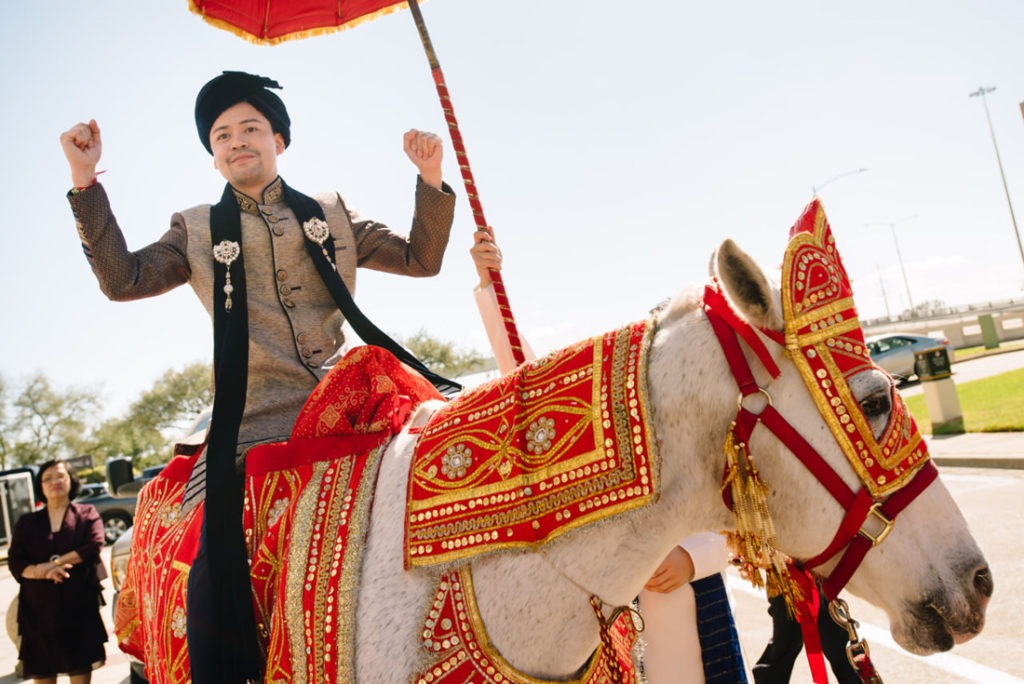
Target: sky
(614, 145)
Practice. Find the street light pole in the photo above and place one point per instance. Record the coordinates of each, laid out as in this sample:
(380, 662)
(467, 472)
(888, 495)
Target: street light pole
(885, 298)
(899, 255)
(816, 188)
(981, 92)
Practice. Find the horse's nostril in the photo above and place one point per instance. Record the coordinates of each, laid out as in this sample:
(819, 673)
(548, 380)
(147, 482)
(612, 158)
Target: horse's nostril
(983, 582)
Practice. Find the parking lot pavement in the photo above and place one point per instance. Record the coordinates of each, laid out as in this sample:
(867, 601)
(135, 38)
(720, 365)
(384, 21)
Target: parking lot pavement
(114, 672)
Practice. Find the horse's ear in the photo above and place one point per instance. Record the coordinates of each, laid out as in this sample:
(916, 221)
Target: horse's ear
(747, 286)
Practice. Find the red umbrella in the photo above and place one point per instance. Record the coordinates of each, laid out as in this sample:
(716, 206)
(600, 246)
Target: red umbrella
(274, 21)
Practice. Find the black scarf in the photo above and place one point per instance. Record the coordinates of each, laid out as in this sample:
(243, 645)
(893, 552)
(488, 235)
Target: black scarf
(241, 658)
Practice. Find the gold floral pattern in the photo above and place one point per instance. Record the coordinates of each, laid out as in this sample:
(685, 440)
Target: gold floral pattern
(456, 460)
(540, 435)
(276, 511)
(170, 514)
(178, 622)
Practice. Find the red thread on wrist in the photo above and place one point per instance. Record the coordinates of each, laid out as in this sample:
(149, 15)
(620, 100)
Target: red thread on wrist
(80, 188)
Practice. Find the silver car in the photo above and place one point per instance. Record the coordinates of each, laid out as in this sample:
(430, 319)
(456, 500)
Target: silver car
(894, 352)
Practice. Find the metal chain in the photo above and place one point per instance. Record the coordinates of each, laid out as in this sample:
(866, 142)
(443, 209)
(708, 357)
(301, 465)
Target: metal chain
(857, 651)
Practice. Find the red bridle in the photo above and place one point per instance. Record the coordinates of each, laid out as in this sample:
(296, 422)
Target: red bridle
(867, 521)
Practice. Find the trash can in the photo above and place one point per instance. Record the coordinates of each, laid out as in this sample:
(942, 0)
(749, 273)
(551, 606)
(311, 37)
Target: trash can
(932, 364)
(940, 395)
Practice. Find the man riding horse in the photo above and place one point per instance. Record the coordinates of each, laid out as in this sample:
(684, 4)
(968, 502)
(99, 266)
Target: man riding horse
(264, 262)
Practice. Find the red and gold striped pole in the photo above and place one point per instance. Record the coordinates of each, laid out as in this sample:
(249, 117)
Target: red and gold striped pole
(467, 177)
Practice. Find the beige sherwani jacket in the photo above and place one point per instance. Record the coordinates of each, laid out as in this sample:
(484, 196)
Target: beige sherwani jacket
(295, 331)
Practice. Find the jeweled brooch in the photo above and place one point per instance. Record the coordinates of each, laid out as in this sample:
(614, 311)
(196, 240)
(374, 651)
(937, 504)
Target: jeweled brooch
(316, 230)
(226, 252)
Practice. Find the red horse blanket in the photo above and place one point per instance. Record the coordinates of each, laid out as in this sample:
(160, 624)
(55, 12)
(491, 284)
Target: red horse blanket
(455, 635)
(307, 509)
(559, 443)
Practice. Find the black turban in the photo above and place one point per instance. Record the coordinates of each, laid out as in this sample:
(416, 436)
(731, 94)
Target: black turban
(232, 87)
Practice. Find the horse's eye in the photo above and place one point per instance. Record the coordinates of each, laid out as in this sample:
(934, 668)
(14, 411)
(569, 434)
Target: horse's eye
(876, 405)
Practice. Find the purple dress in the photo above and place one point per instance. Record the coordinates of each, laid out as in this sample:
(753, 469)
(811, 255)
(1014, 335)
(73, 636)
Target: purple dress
(60, 624)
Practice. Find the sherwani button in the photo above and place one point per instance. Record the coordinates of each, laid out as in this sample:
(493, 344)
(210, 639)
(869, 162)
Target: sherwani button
(306, 353)
(286, 290)
(277, 230)
(301, 338)
(289, 303)
(282, 275)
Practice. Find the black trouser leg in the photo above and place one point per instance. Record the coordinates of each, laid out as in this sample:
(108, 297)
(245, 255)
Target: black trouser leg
(776, 663)
(201, 622)
(833, 644)
(775, 666)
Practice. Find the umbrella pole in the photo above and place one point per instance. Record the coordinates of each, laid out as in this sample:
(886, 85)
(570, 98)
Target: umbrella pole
(511, 331)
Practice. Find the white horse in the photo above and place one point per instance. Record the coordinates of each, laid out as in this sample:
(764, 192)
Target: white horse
(929, 575)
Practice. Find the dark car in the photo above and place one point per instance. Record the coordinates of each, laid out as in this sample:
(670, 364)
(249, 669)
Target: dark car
(90, 489)
(118, 513)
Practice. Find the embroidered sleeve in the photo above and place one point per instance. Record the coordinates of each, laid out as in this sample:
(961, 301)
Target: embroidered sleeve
(421, 253)
(122, 274)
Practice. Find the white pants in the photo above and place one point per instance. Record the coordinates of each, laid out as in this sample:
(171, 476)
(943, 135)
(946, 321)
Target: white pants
(671, 646)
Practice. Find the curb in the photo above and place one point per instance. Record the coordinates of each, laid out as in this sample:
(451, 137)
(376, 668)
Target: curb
(1013, 347)
(994, 462)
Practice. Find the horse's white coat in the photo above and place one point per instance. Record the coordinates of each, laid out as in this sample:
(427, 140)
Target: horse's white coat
(535, 605)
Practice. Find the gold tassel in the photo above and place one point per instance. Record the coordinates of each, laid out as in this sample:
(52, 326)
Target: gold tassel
(753, 541)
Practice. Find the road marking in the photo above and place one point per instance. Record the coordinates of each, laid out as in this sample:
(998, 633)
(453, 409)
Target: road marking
(877, 636)
(947, 662)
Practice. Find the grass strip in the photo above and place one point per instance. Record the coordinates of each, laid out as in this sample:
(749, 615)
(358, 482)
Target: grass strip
(993, 404)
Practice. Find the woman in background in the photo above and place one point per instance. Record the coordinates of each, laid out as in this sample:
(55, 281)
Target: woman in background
(54, 555)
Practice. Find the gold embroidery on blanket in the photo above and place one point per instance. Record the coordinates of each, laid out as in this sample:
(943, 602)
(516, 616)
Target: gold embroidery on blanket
(302, 533)
(456, 638)
(162, 584)
(352, 565)
(562, 443)
(273, 495)
(331, 513)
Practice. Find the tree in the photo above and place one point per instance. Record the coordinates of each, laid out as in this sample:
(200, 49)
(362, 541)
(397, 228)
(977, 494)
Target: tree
(445, 358)
(144, 434)
(930, 308)
(42, 422)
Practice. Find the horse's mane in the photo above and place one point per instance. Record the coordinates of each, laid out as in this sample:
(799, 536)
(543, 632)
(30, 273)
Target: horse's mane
(680, 305)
